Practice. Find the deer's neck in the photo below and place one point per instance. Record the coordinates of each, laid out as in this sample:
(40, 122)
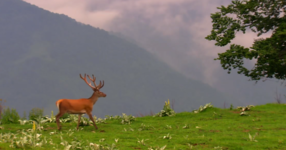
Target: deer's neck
(94, 98)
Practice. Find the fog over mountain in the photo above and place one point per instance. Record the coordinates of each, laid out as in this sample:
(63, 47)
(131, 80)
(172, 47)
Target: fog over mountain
(174, 31)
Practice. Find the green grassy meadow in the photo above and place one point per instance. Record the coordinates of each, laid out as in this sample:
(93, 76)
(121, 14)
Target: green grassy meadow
(264, 127)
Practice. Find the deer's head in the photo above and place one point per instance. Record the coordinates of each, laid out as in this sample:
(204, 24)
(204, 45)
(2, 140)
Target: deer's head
(95, 88)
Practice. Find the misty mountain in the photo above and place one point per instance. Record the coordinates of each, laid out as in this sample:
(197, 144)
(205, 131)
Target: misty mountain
(43, 53)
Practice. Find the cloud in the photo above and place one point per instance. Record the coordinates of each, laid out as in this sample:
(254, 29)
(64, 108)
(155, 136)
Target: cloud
(78, 10)
(174, 30)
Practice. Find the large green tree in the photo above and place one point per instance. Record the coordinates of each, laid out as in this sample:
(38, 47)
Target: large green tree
(261, 17)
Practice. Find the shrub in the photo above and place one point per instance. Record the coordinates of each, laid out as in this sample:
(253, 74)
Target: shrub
(167, 111)
(65, 116)
(203, 108)
(1, 106)
(10, 116)
(127, 119)
(35, 113)
(231, 107)
(24, 116)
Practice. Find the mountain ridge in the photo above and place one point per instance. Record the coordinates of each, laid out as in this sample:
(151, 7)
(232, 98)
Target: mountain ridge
(43, 54)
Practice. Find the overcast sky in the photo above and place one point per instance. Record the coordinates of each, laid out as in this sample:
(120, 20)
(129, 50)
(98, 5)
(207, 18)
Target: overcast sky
(174, 30)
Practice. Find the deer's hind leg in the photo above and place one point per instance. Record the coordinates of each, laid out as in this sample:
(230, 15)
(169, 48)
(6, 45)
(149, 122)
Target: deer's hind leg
(58, 116)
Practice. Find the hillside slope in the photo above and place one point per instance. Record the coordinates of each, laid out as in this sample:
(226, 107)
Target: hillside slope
(42, 54)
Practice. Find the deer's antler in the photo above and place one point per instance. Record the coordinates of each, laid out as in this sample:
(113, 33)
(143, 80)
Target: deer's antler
(93, 80)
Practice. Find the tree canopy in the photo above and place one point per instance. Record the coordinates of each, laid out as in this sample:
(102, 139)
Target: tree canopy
(261, 17)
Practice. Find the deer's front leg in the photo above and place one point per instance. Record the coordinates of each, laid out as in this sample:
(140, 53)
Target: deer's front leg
(79, 116)
(90, 117)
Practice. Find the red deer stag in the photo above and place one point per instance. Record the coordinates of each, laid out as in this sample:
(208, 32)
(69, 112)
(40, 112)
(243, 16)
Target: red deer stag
(80, 106)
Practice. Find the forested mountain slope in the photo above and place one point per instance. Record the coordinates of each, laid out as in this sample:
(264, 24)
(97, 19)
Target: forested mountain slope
(43, 53)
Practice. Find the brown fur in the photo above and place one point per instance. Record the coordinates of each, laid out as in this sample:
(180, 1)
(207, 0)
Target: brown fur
(79, 106)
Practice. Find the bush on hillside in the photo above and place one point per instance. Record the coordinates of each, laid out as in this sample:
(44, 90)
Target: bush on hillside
(1, 106)
(35, 113)
(167, 111)
(9, 116)
(203, 108)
